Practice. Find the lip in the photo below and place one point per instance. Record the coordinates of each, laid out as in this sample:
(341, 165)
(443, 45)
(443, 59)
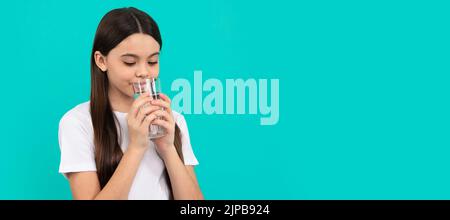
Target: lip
(139, 86)
(141, 80)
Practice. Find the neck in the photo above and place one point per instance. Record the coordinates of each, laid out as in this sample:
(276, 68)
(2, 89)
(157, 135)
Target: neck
(119, 102)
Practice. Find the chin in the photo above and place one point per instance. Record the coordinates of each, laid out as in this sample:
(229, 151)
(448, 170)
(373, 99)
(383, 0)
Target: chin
(128, 94)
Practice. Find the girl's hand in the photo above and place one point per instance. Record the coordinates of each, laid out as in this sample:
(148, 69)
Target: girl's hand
(164, 118)
(139, 121)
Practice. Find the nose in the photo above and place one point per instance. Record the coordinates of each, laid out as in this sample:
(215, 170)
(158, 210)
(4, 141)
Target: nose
(142, 75)
(145, 71)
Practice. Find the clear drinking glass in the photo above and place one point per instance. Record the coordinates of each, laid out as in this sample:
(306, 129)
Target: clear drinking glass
(153, 87)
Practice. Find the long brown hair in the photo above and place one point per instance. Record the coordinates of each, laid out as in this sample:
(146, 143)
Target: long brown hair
(114, 27)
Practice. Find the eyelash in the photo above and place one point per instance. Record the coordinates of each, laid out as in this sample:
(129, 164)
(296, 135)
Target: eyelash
(131, 64)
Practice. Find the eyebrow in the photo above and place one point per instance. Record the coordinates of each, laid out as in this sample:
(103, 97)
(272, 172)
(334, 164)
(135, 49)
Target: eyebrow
(136, 56)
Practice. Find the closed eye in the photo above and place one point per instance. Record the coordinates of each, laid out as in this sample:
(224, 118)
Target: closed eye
(129, 64)
(152, 63)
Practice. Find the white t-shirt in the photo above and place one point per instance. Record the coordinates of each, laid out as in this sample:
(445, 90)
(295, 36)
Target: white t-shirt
(76, 141)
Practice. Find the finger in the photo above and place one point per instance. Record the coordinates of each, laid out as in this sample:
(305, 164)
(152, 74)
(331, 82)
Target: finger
(148, 120)
(165, 98)
(145, 111)
(140, 117)
(163, 123)
(162, 103)
(148, 109)
(138, 103)
(164, 115)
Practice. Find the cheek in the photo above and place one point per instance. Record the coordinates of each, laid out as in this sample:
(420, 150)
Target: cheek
(121, 73)
(120, 77)
(154, 71)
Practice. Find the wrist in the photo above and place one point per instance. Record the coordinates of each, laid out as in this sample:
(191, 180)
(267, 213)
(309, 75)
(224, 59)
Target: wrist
(168, 153)
(134, 149)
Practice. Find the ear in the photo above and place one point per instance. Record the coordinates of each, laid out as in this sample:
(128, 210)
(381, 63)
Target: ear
(100, 60)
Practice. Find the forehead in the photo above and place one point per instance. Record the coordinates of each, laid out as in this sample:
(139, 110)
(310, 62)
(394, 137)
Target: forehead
(142, 45)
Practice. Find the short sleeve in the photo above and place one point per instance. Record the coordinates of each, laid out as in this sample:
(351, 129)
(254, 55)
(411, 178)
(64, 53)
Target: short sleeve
(188, 153)
(76, 145)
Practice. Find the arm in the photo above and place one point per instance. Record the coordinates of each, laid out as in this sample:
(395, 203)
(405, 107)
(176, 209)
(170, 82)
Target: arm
(85, 185)
(182, 178)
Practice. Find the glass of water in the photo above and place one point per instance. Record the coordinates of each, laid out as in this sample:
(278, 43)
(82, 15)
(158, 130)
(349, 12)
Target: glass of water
(153, 87)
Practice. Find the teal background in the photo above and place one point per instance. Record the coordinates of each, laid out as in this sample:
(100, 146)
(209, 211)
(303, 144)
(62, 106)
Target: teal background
(364, 95)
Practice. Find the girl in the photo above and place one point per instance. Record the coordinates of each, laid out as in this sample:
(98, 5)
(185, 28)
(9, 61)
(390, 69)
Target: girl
(105, 149)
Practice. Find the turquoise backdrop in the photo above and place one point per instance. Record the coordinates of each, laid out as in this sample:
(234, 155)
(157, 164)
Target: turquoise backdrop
(364, 94)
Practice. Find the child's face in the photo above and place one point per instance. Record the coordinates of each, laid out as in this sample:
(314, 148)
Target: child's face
(136, 56)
